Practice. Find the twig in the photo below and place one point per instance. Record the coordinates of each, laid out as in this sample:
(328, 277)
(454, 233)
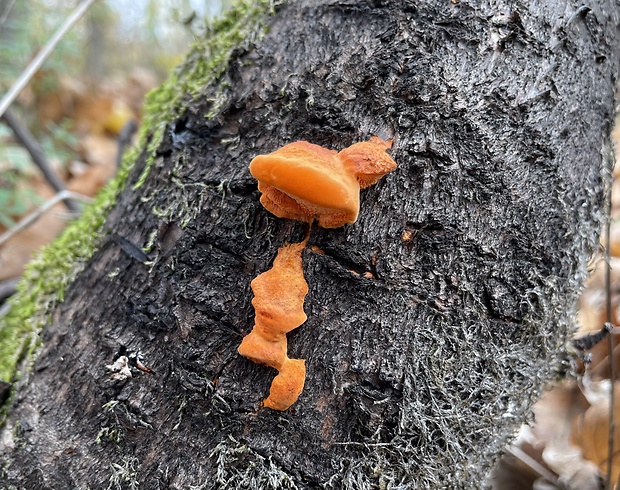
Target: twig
(601, 369)
(586, 342)
(5, 308)
(532, 464)
(30, 143)
(610, 348)
(40, 58)
(8, 288)
(35, 215)
(5, 391)
(124, 138)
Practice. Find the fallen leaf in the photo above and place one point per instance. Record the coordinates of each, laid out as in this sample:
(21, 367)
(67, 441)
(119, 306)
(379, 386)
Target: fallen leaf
(590, 430)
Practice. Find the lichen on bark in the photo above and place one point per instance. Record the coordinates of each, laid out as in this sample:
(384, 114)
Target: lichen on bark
(433, 320)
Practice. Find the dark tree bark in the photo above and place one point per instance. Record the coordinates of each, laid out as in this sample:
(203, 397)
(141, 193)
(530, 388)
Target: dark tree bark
(419, 372)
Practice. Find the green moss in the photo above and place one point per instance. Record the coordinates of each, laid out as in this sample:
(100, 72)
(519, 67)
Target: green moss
(54, 268)
(48, 274)
(243, 25)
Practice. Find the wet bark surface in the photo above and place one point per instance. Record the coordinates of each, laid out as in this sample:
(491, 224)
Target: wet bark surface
(433, 321)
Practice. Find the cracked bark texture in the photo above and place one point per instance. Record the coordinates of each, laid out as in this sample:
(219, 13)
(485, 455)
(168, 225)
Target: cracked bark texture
(477, 245)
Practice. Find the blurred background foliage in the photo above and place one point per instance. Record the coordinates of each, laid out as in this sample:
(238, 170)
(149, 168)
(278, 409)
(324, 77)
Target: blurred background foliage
(114, 37)
(91, 85)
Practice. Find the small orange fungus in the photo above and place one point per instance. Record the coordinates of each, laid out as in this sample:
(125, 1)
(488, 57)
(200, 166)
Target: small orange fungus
(287, 385)
(279, 304)
(304, 181)
(407, 236)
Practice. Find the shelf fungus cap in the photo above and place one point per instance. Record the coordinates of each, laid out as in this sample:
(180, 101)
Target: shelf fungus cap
(304, 181)
(279, 293)
(260, 350)
(368, 160)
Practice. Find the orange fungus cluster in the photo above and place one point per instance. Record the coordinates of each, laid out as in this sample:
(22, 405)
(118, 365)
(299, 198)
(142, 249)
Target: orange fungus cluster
(305, 182)
(279, 304)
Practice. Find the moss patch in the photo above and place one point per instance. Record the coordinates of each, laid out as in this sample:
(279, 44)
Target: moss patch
(55, 267)
(243, 25)
(253, 470)
(48, 274)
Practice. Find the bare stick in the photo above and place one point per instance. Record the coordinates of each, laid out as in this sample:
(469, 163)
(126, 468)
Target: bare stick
(40, 58)
(586, 342)
(35, 215)
(8, 288)
(610, 347)
(4, 309)
(124, 138)
(532, 464)
(25, 138)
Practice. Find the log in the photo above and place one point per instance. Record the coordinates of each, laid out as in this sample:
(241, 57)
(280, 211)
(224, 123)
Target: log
(434, 321)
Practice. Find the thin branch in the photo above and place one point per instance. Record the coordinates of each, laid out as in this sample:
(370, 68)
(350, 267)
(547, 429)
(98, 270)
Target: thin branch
(35, 215)
(532, 464)
(601, 369)
(40, 58)
(5, 391)
(124, 138)
(610, 348)
(25, 138)
(5, 308)
(587, 341)
(8, 288)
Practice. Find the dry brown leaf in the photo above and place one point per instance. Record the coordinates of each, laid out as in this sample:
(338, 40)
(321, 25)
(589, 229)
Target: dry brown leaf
(615, 199)
(99, 150)
(91, 180)
(100, 114)
(95, 111)
(590, 430)
(55, 105)
(513, 473)
(596, 281)
(545, 445)
(614, 238)
(555, 413)
(16, 252)
(591, 317)
(90, 113)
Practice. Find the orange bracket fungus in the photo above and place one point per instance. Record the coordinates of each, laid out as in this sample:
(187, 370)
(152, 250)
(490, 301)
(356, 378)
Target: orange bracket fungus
(305, 182)
(279, 304)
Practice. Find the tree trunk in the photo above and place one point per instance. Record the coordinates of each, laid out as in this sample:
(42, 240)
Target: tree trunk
(433, 322)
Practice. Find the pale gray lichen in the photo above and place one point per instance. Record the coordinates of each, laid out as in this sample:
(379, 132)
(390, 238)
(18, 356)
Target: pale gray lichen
(256, 472)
